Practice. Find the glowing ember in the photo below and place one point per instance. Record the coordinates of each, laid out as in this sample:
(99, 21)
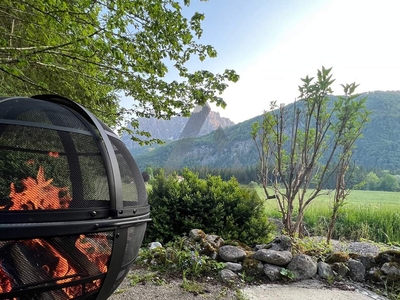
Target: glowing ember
(5, 282)
(39, 194)
(53, 154)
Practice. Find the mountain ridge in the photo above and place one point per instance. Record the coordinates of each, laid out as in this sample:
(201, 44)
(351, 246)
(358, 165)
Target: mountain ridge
(171, 130)
(232, 147)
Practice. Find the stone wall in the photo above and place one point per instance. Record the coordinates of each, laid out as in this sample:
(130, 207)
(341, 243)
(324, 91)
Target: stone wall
(276, 262)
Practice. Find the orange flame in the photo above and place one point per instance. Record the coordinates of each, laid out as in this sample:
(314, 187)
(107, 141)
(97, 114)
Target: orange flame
(39, 194)
(96, 248)
(5, 282)
(61, 270)
(53, 154)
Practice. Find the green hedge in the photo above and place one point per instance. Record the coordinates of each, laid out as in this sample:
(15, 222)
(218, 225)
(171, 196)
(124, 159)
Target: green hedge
(213, 205)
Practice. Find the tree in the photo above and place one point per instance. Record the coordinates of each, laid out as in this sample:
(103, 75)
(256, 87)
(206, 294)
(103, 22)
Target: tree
(301, 148)
(95, 52)
(371, 181)
(351, 118)
(388, 183)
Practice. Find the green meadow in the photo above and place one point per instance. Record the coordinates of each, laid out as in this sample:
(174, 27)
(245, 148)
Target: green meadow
(371, 215)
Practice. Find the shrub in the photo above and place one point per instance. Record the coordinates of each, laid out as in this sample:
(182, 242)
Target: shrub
(211, 204)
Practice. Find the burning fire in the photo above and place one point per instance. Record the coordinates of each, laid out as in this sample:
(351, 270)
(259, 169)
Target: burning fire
(96, 248)
(39, 194)
(5, 282)
(61, 270)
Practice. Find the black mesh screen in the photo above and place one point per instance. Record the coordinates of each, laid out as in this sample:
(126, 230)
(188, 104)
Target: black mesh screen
(49, 169)
(133, 189)
(39, 111)
(52, 157)
(135, 237)
(78, 262)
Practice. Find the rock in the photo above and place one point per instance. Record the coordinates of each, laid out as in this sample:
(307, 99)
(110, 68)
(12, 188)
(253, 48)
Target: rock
(337, 257)
(375, 275)
(391, 269)
(278, 223)
(356, 270)
(272, 272)
(279, 258)
(231, 253)
(252, 267)
(215, 240)
(209, 243)
(197, 235)
(302, 266)
(324, 270)
(154, 245)
(368, 261)
(340, 268)
(259, 247)
(228, 275)
(388, 256)
(280, 243)
(235, 267)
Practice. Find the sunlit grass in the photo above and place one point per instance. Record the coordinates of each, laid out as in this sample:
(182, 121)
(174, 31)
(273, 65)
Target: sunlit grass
(372, 215)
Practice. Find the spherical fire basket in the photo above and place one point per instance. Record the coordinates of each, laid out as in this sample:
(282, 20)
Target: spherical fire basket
(73, 204)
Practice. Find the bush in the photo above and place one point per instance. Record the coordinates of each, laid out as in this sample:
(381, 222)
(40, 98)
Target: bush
(213, 205)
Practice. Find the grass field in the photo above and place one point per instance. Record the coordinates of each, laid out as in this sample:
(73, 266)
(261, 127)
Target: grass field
(371, 215)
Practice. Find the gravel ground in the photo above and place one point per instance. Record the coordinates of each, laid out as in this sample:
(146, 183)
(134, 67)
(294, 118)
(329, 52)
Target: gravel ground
(167, 289)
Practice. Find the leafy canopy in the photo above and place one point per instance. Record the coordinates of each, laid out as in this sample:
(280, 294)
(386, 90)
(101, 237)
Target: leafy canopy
(95, 52)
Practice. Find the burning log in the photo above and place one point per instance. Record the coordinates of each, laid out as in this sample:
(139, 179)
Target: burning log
(39, 262)
(52, 266)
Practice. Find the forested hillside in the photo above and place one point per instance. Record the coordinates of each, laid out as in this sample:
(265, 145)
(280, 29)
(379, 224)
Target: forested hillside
(378, 149)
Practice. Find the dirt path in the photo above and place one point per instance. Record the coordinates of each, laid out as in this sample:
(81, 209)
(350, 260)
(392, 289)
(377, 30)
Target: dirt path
(308, 290)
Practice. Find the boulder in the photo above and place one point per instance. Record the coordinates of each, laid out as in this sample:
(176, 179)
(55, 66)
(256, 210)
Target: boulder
(228, 275)
(235, 267)
(337, 257)
(324, 271)
(274, 257)
(209, 243)
(340, 268)
(252, 267)
(215, 240)
(154, 245)
(272, 272)
(356, 270)
(302, 266)
(280, 243)
(231, 253)
(391, 269)
(197, 235)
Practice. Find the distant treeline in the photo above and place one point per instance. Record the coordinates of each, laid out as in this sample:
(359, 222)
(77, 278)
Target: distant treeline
(358, 178)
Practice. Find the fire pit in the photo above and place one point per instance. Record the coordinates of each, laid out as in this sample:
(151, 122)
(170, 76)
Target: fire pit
(73, 204)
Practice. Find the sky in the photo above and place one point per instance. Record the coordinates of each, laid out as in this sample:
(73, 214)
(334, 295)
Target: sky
(271, 44)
